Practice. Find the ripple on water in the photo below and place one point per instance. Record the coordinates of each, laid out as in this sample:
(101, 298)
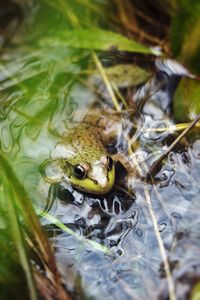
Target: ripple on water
(196, 149)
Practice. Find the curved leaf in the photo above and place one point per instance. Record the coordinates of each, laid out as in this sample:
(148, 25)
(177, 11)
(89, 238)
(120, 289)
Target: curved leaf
(95, 39)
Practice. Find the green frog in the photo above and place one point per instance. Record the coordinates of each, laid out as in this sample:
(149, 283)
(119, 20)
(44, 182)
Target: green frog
(81, 158)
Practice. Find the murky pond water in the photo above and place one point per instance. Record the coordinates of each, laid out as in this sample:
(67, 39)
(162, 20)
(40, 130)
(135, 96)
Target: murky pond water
(108, 246)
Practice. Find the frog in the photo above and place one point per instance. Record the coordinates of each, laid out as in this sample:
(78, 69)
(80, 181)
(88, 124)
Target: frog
(81, 158)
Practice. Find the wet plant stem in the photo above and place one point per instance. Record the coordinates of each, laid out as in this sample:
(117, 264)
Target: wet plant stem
(172, 128)
(169, 278)
(115, 88)
(106, 81)
(172, 294)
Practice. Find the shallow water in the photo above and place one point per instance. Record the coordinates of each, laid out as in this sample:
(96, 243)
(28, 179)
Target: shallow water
(123, 224)
(41, 98)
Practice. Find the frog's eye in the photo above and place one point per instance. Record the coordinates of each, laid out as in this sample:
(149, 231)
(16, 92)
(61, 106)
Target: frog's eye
(110, 163)
(80, 172)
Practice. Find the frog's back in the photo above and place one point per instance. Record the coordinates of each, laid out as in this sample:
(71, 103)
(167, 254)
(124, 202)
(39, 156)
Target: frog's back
(86, 142)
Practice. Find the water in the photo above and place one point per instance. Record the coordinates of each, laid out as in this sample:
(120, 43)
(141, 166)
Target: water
(43, 94)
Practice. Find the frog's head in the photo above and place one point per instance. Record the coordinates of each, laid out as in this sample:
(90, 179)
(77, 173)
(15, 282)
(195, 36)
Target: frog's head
(96, 178)
(94, 175)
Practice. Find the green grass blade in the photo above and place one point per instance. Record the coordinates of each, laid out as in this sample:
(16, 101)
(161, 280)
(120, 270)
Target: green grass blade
(95, 39)
(18, 238)
(23, 203)
(59, 224)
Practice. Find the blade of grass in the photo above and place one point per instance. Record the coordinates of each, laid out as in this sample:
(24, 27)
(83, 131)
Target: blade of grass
(59, 224)
(24, 203)
(95, 39)
(19, 242)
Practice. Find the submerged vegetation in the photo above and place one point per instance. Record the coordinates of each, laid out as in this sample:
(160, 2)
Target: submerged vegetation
(60, 61)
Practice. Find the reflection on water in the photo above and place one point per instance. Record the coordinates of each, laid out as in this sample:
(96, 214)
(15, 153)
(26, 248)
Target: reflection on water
(41, 98)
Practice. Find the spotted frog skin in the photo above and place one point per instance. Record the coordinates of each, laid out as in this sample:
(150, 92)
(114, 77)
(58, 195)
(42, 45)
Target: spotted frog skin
(81, 159)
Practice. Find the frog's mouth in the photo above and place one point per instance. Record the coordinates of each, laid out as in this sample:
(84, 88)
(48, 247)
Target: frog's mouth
(92, 186)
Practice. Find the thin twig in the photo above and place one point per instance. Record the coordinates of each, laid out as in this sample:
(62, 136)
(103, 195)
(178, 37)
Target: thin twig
(169, 149)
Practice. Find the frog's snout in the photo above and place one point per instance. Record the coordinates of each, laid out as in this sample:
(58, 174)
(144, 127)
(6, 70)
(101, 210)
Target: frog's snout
(105, 177)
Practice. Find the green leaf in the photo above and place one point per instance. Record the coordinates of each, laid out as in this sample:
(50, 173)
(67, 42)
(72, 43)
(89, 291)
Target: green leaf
(95, 39)
(17, 236)
(78, 13)
(124, 76)
(186, 102)
(185, 36)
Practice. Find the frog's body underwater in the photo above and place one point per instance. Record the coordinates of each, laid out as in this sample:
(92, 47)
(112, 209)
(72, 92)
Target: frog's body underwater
(81, 159)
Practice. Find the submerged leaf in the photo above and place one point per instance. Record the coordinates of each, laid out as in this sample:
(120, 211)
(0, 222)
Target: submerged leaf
(186, 102)
(126, 75)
